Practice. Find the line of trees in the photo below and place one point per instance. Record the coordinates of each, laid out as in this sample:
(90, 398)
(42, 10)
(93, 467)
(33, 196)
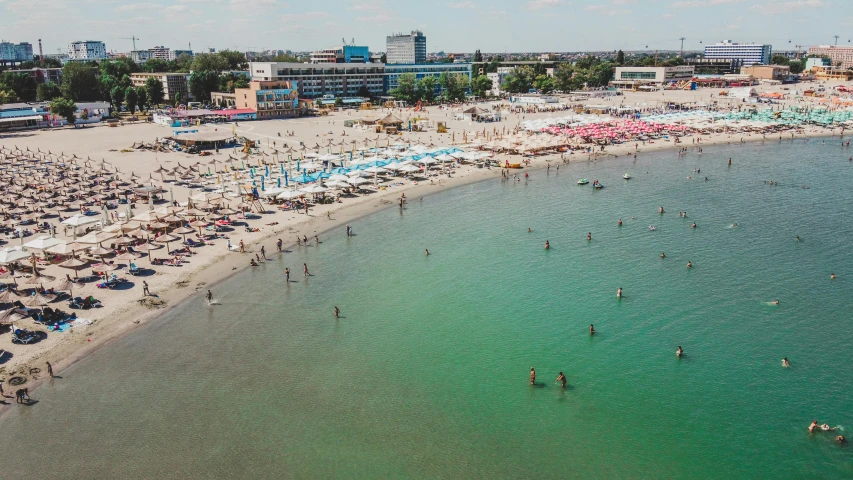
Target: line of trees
(410, 89)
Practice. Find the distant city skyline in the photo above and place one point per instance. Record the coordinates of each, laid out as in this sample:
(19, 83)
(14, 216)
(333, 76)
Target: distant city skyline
(450, 26)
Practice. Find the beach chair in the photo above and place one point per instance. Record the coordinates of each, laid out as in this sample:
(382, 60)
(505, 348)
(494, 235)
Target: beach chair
(133, 269)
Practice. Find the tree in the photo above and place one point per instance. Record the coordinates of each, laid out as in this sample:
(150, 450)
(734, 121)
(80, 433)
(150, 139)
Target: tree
(5, 97)
(481, 86)
(117, 96)
(519, 80)
(620, 57)
(779, 60)
(154, 87)
(233, 60)
(285, 58)
(455, 86)
(64, 107)
(22, 85)
(80, 82)
(177, 99)
(797, 66)
(478, 57)
(363, 92)
(130, 99)
(406, 88)
(383, 58)
(141, 98)
(156, 65)
(209, 62)
(564, 77)
(339, 102)
(544, 84)
(201, 83)
(426, 89)
(46, 92)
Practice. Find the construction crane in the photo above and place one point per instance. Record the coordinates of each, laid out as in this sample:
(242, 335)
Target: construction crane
(134, 38)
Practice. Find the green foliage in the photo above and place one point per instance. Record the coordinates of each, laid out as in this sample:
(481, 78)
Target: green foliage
(233, 60)
(117, 96)
(779, 60)
(141, 98)
(130, 99)
(620, 57)
(156, 65)
(5, 97)
(426, 89)
(406, 88)
(797, 66)
(64, 107)
(178, 99)
(478, 57)
(481, 85)
(80, 82)
(339, 102)
(201, 83)
(229, 81)
(22, 85)
(154, 87)
(47, 91)
(519, 80)
(563, 77)
(544, 84)
(383, 58)
(455, 86)
(210, 62)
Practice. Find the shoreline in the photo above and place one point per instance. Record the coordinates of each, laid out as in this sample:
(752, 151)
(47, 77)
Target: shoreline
(215, 269)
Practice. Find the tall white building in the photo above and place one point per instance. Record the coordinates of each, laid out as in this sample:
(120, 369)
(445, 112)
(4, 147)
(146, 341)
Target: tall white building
(87, 50)
(402, 48)
(747, 53)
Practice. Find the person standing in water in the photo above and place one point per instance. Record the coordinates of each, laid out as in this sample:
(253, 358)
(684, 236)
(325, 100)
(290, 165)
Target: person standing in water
(278, 244)
(426, 252)
(547, 245)
(679, 352)
(589, 236)
(532, 376)
(337, 312)
(591, 329)
(689, 265)
(619, 293)
(562, 379)
(619, 223)
(785, 362)
(287, 275)
(662, 255)
(263, 252)
(209, 297)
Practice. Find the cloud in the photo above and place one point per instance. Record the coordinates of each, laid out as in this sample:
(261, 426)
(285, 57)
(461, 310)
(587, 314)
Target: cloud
(176, 9)
(785, 7)
(668, 15)
(252, 3)
(540, 4)
(624, 2)
(133, 7)
(606, 10)
(704, 3)
(379, 18)
(496, 14)
(296, 18)
(368, 6)
(461, 5)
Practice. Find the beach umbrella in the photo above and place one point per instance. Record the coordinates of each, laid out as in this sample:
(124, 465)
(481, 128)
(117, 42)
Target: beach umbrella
(9, 316)
(183, 231)
(43, 242)
(74, 263)
(9, 296)
(12, 255)
(37, 301)
(289, 195)
(166, 239)
(128, 257)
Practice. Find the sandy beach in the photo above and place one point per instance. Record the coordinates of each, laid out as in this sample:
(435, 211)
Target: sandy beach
(126, 309)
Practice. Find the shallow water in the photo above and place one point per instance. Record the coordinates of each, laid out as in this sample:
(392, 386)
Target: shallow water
(426, 374)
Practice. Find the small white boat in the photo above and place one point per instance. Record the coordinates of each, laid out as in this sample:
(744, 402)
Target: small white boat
(583, 181)
(626, 176)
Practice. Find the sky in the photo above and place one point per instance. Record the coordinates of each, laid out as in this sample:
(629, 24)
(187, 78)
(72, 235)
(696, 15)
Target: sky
(450, 26)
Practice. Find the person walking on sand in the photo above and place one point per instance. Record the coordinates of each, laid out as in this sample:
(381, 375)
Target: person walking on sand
(242, 246)
(305, 269)
(532, 376)
(209, 297)
(49, 369)
(145, 290)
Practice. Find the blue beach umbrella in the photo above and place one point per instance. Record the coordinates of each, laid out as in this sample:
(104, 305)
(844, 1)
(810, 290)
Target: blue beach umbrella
(286, 183)
(279, 182)
(281, 167)
(262, 183)
(267, 169)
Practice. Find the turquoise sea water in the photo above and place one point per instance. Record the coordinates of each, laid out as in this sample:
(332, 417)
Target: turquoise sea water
(426, 374)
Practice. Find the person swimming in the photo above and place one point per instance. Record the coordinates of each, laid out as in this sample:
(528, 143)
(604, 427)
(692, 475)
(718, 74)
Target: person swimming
(840, 439)
(797, 239)
(660, 210)
(662, 255)
(832, 276)
(734, 225)
(813, 426)
(679, 352)
(651, 228)
(689, 265)
(619, 222)
(827, 428)
(589, 236)
(785, 362)
(694, 225)
(547, 245)
(529, 230)
(775, 302)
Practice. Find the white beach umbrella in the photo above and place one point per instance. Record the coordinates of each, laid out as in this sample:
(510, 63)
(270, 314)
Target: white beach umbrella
(374, 170)
(409, 169)
(338, 178)
(357, 181)
(337, 184)
(290, 194)
(314, 189)
(12, 255)
(43, 242)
